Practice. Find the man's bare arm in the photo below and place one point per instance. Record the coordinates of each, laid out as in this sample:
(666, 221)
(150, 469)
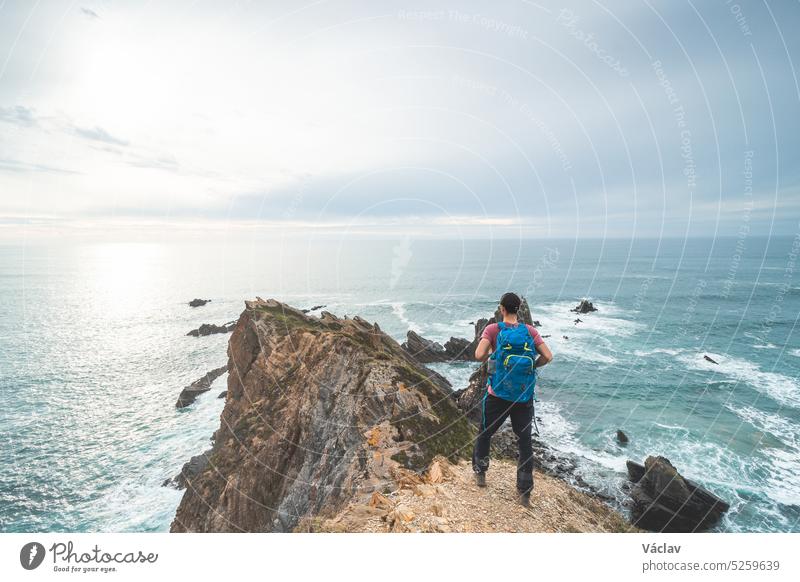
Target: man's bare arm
(545, 355)
(483, 350)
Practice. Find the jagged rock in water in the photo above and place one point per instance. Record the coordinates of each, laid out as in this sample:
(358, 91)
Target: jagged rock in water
(664, 500)
(190, 470)
(458, 349)
(223, 394)
(196, 388)
(708, 358)
(585, 306)
(635, 471)
(319, 410)
(427, 351)
(423, 350)
(310, 309)
(210, 328)
(622, 437)
(198, 302)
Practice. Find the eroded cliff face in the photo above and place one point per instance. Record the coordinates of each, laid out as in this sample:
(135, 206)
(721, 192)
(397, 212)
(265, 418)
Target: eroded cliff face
(319, 412)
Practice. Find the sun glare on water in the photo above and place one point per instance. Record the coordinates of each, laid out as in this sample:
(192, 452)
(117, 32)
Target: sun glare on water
(120, 276)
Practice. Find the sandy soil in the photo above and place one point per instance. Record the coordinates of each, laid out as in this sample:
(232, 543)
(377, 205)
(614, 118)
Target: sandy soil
(446, 499)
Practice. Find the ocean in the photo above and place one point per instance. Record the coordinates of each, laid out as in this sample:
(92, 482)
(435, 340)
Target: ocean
(94, 352)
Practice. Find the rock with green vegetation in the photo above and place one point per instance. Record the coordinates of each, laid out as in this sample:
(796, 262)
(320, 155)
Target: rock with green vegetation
(319, 411)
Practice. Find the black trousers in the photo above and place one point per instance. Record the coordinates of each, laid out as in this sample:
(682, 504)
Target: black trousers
(495, 412)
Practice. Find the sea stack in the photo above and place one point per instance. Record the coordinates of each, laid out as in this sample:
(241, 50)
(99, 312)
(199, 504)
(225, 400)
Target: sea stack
(585, 306)
(664, 500)
(319, 411)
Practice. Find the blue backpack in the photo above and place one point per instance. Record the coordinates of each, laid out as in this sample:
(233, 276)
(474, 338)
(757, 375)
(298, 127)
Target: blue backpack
(512, 373)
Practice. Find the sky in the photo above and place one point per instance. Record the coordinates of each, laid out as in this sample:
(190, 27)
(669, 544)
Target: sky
(441, 119)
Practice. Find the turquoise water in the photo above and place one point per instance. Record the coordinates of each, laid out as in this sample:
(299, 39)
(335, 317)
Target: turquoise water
(93, 354)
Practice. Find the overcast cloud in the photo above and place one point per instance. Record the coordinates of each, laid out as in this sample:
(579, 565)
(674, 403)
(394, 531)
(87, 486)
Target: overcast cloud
(563, 119)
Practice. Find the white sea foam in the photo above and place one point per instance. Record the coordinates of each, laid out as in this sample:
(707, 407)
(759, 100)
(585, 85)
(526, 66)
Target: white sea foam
(399, 310)
(571, 349)
(671, 427)
(441, 332)
(783, 481)
(778, 426)
(646, 353)
(560, 434)
(795, 353)
(457, 374)
(782, 389)
(700, 459)
(594, 339)
(557, 318)
(784, 477)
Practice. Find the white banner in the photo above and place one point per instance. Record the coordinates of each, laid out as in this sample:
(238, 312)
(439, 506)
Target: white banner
(356, 557)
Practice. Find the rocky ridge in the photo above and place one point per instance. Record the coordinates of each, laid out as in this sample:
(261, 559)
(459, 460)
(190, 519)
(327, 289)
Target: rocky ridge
(327, 414)
(318, 411)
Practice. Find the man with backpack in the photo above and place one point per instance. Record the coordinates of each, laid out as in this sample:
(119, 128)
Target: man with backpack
(514, 351)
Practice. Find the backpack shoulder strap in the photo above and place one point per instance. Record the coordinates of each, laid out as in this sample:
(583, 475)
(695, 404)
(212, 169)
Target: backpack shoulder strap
(528, 331)
(532, 346)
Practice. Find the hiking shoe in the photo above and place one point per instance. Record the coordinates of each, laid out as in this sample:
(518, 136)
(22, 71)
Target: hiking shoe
(480, 479)
(525, 499)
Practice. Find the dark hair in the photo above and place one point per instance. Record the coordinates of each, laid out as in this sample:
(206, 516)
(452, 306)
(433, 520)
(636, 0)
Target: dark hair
(511, 302)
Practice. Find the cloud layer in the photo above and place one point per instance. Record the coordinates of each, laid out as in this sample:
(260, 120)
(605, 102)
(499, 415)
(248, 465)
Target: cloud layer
(609, 119)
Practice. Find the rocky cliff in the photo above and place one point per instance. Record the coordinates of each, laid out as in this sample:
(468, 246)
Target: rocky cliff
(319, 412)
(329, 425)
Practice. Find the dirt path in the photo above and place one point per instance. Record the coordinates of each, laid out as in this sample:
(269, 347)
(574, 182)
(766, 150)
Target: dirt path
(447, 500)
